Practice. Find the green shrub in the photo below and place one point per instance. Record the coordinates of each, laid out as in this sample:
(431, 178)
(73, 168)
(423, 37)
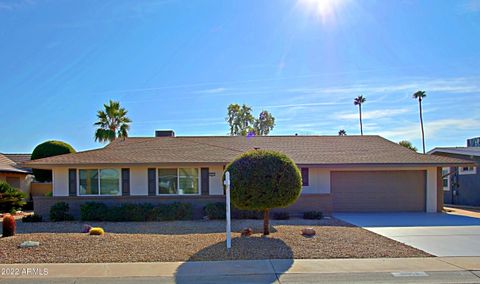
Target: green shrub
(49, 149)
(313, 215)
(215, 211)
(60, 212)
(281, 215)
(262, 180)
(11, 199)
(162, 213)
(174, 211)
(94, 211)
(32, 218)
(128, 212)
(182, 211)
(131, 213)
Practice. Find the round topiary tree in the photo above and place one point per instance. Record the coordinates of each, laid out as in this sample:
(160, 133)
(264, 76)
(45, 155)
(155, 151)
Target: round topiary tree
(261, 180)
(49, 149)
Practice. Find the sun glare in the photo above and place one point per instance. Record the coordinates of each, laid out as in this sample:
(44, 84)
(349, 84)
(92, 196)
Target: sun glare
(326, 10)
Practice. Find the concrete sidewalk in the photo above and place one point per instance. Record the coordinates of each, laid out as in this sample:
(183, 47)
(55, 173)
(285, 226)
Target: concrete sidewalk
(463, 269)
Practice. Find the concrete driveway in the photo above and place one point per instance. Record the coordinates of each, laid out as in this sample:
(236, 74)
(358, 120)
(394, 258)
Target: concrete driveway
(439, 234)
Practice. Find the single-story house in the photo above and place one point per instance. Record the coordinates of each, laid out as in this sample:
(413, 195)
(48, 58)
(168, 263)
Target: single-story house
(461, 185)
(14, 174)
(340, 173)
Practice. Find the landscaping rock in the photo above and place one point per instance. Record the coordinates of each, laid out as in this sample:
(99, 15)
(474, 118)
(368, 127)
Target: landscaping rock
(29, 244)
(247, 232)
(86, 228)
(308, 232)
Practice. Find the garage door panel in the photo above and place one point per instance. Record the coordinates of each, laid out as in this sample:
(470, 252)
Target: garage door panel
(378, 191)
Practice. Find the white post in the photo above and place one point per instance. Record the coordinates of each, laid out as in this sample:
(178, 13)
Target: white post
(227, 193)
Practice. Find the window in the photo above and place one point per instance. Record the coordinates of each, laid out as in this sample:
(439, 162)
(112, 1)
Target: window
(167, 181)
(99, 182)
(467, 170)
(304, 176)
(178, 181)
(446, 179)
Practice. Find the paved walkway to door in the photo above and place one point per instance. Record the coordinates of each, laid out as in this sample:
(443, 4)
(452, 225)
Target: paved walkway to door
(439, 234)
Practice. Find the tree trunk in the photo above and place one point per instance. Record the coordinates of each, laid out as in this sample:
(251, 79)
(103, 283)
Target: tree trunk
(421, 124)
(361, 125)
(266, 225)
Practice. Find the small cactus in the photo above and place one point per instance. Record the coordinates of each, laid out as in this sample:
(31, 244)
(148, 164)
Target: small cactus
(97, 231)
(8, 225)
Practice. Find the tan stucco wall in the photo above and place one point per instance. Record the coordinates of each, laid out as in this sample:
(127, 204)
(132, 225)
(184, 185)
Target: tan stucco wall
(41, 189)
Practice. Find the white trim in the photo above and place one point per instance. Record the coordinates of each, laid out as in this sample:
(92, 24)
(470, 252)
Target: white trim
(471, 170)
(446, 177)
(431, 191)
(199, 176)
(99, 185)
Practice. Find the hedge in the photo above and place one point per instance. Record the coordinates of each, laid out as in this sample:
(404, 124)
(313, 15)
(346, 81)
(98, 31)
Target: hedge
(45, 150)
(127, 212)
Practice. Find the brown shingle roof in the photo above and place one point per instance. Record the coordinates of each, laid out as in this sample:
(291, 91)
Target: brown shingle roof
(7, 165)
(318, 150)
(18, 158)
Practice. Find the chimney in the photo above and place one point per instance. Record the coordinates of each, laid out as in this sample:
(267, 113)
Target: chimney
(474, 142)
(164, 133)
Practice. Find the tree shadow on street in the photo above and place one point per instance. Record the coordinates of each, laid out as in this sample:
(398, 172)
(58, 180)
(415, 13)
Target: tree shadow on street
(248, 261)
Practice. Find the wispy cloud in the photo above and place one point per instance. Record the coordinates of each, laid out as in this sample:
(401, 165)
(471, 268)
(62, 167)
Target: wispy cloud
(450, 85)
(471, 6)
(432, 129)
(14, 5)
(211, 91)
(374, 114)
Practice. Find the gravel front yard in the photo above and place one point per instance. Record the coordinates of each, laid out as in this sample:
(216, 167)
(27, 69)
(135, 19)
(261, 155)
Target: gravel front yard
(196, 240)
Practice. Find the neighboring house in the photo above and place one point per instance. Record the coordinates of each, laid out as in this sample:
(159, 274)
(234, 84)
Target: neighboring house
(340, 173)
(461, 185)
(14, 174)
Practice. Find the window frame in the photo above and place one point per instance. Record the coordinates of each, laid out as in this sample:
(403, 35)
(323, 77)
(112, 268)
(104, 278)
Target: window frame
(448, 179)
(472, 171)
(199, 175)
(120, 190)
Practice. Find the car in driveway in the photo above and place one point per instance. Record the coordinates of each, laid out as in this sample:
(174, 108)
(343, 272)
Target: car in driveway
(439, 234)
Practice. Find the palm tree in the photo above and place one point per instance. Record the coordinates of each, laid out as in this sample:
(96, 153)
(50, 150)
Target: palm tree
(420, 95)
(342, 132)
(358, 101)
(112, 123)
(408, 145)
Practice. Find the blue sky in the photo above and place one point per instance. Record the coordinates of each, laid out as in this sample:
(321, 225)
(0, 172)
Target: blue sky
(178, 64)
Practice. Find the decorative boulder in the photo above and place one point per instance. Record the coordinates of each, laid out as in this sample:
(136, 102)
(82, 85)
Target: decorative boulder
(247, 232)
(29, 244)
(308, 232)
(86, 228)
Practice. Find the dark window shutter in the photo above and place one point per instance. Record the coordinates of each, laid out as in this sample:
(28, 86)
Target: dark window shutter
(72, 182)
(304, 176)
(152, 191)
(125, 182)
(205, 181)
